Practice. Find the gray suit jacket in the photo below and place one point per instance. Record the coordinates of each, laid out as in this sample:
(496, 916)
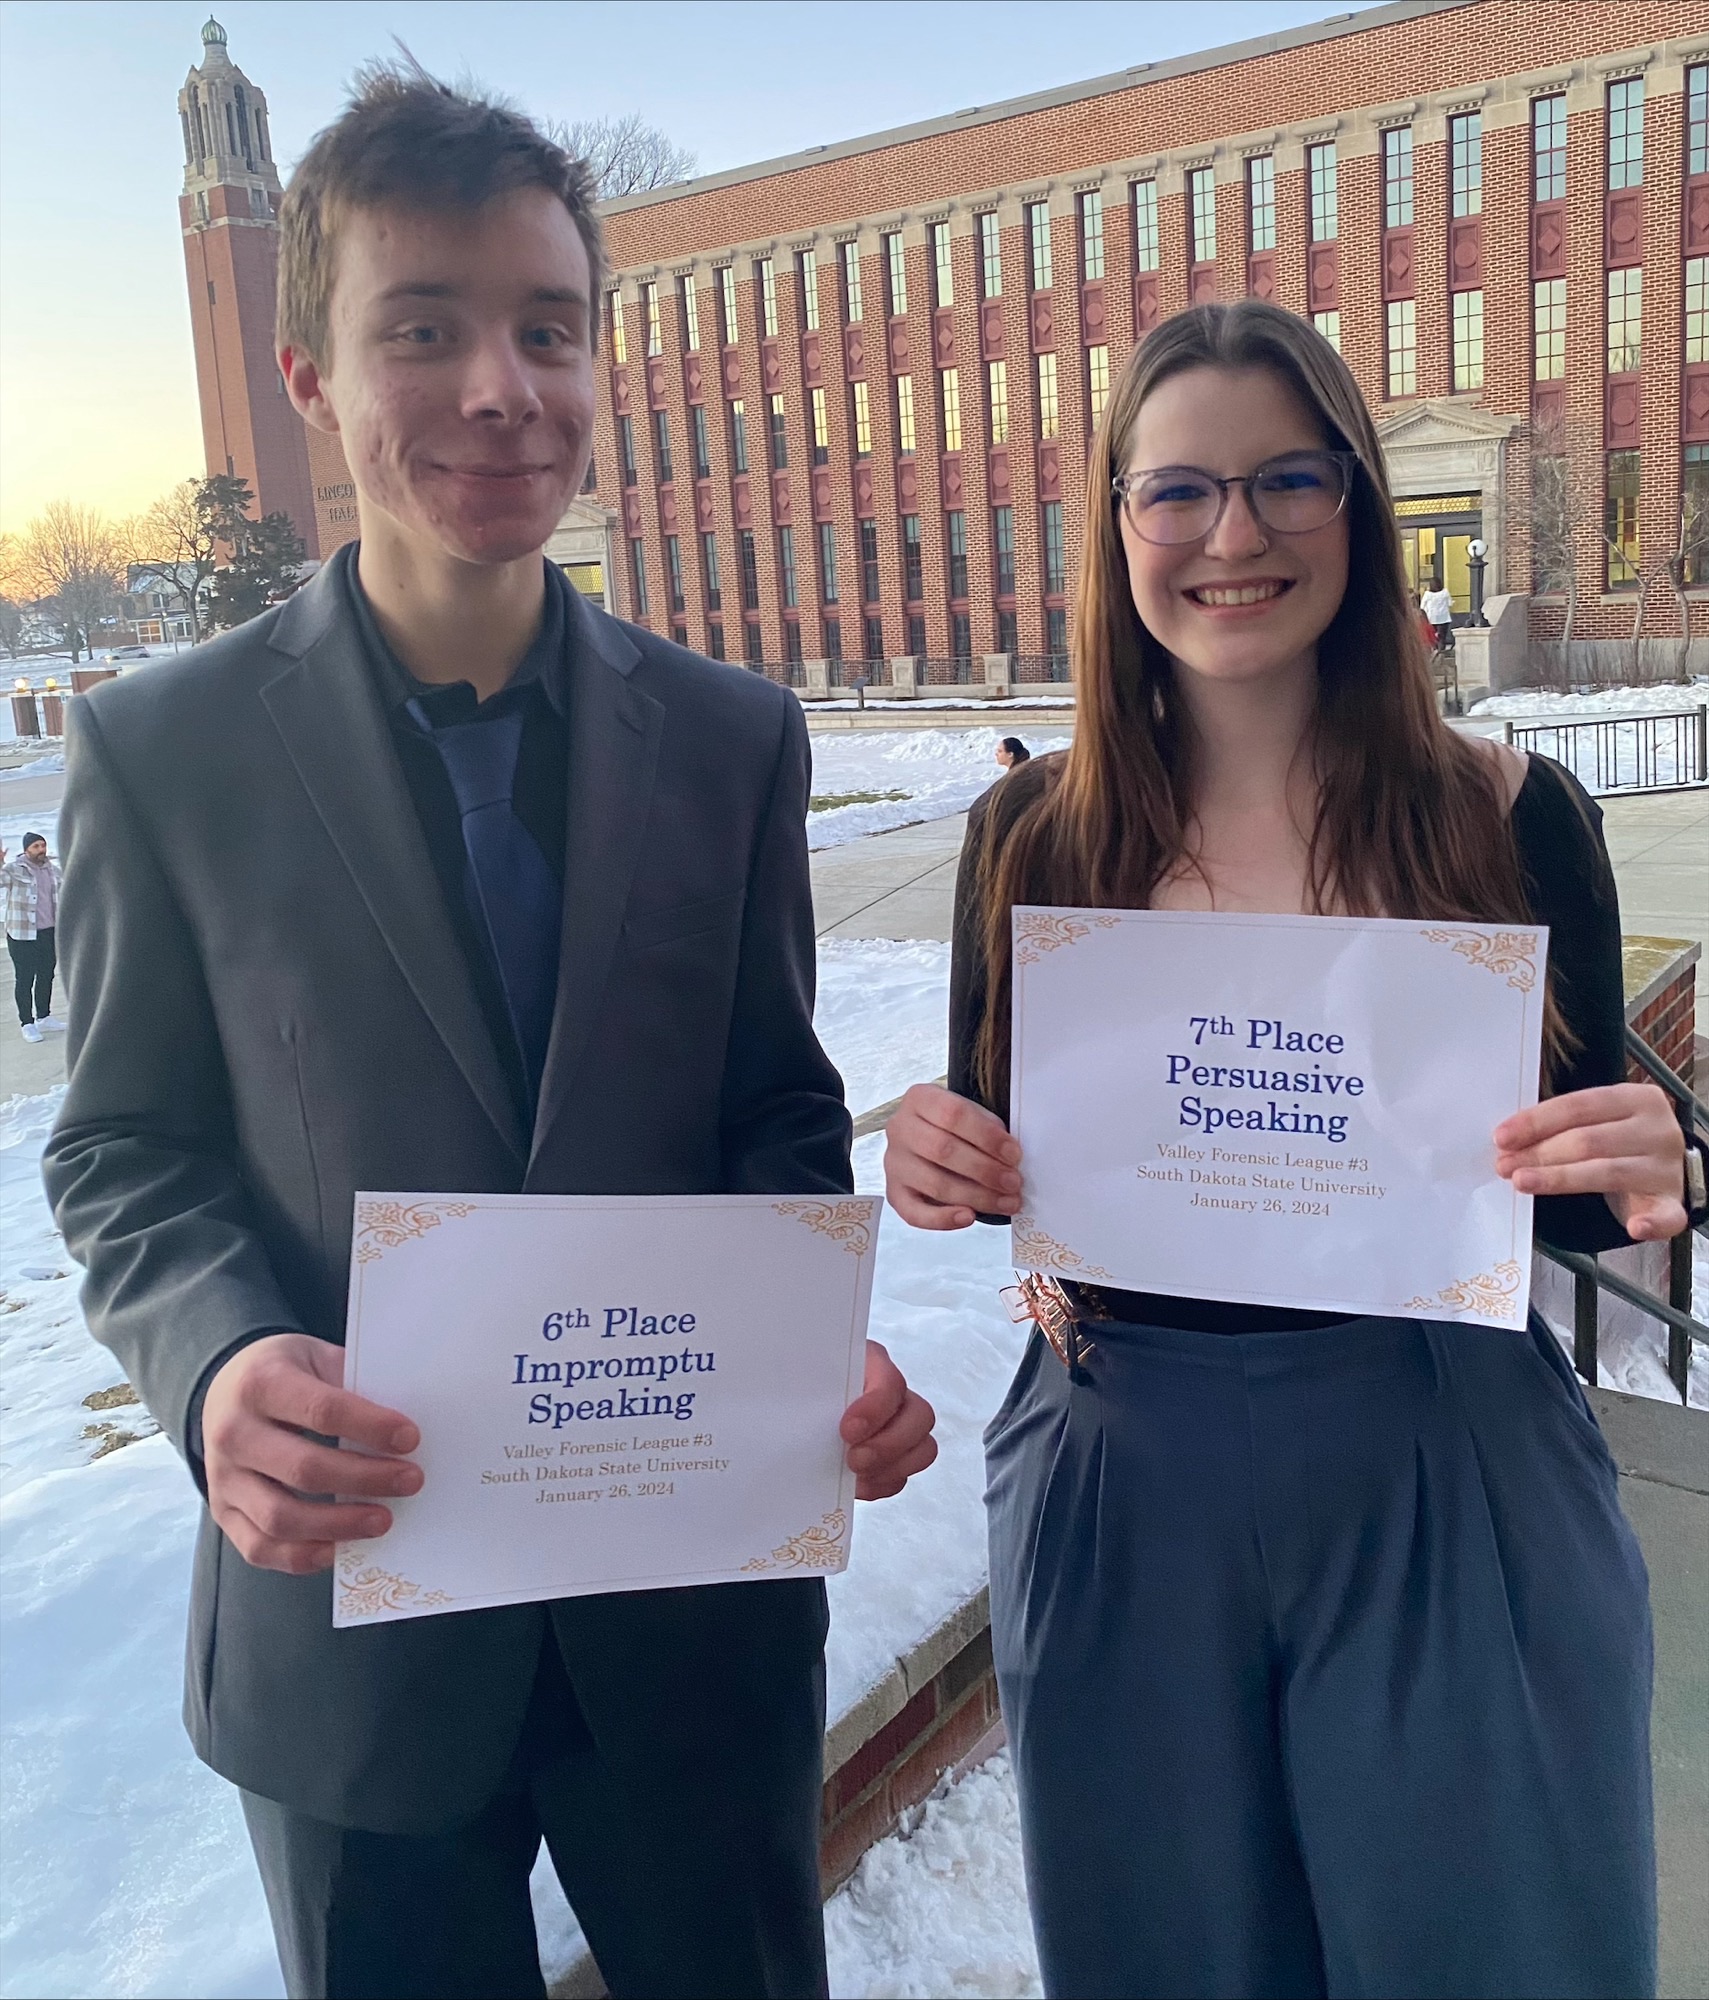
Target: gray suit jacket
(269, 1011)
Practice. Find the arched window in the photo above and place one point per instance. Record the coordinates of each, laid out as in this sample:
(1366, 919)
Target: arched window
(189, 143)
(243, 128)
(231, 126)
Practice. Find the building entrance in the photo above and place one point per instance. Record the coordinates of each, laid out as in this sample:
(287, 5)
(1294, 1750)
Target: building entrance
(1436, 534)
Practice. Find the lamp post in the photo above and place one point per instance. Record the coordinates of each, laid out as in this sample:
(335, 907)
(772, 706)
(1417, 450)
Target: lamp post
(1475, 555)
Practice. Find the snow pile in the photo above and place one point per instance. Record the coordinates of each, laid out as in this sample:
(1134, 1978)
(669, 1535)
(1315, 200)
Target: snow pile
(942, 1909)
(942, 771)
(38, 767)
(883, 1014)
(1670, 697)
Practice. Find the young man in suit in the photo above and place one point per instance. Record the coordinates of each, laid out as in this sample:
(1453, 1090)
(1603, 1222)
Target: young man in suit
(436, 877)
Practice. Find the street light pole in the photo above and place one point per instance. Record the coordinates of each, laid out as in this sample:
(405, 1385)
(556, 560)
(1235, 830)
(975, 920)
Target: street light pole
(1475, 555)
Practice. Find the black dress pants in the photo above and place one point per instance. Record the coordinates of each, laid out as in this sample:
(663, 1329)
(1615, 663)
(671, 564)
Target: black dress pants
(33, 964)
(683, 1824)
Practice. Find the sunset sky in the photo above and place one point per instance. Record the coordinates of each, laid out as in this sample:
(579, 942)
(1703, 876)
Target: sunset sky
(97, 384)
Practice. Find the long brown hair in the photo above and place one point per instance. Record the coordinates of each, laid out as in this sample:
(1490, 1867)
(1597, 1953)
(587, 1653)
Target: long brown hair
(1411, 820)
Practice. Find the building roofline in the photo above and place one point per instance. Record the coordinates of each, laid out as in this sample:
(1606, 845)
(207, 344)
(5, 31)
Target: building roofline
(1331, 28)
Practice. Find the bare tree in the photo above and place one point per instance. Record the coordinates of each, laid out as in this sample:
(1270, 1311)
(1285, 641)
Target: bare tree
(627, 155)
(177, 542)
(72, 555)
(1689, 563)
(11, 595)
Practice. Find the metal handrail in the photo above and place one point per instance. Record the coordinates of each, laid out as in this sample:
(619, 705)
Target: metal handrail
(1589, 1278)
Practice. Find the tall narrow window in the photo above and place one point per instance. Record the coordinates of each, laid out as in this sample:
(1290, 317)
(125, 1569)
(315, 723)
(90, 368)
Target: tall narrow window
(1097, 384)
(949, 386)
(715, 641)
(1145, 237)
(619, 339)
(662, 443)
(833, 639)
(1626, 134)
(821, 426)
(709, 567)
(1091, 234)
(779, 433)
(765, 276)
(913, 560)
(1697, 312)
(905, 441)
(1201, 206)
(943, 269)
(807, 272)
(1325, 192)
(1049, 424)
(1549, 329)
(1003, 549)
(673, 572)
(638, 575)
(1261, 202)
(749, 552)
(786, 567)
(869, 578)
(1402, 332)
(956, 542)
(727, 302)
(896, 273)
(1329, 325)
(917, 636)
(702, 443)
(997, 373)
(753, 643)
(1006, 639)
(1055, 550)
(1466, 164)
(738, 436)
(990, 255)
(1397, 177)
(1620, 519)
(872, 640)
(1468, 340)
(961, 636)
(862, 399)
(827, 563)
(1625, 319)
(1697, 125)
(792, 639)
(626, 449)
(1056, 636)
(650, 312)
(1038, 244)
(854, 307)
(1549, 149)
(1694, 513)
(690, 315)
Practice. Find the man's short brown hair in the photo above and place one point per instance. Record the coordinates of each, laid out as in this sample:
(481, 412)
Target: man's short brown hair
(407, 141)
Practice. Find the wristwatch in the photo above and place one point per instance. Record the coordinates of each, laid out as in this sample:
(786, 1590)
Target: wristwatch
(1696, 1183)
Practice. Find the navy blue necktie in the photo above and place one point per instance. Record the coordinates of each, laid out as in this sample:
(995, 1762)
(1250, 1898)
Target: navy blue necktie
(513, 895)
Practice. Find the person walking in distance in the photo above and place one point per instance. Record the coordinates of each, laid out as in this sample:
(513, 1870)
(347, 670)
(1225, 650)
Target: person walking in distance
(1437, 604)
(1012, 752)
(31, 887)
(560, 942)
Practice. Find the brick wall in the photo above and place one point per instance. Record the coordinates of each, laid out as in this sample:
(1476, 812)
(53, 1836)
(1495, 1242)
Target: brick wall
(1338, 82)
(1666, 1018)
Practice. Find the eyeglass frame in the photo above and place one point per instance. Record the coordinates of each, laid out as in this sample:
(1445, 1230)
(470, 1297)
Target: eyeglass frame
(1349, 462)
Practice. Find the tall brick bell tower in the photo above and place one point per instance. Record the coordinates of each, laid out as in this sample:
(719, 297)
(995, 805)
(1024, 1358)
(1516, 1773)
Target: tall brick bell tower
(231, 252)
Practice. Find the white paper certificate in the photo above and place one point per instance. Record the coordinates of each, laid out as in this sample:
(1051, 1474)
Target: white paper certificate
(1289, 1111)
(614, 1392)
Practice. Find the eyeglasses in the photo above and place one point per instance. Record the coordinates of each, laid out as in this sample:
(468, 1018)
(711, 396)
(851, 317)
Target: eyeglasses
(1291, 495)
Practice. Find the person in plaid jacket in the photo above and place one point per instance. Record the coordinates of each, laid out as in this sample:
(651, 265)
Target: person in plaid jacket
(30, 885)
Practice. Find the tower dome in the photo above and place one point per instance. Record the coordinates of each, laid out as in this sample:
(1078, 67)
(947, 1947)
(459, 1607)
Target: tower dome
(213, 35)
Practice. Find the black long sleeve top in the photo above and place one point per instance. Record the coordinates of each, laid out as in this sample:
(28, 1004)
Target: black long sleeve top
(1569, 884)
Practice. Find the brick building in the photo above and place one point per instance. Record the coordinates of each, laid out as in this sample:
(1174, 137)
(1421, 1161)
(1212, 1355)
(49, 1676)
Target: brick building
(231, 253)
(847, 395)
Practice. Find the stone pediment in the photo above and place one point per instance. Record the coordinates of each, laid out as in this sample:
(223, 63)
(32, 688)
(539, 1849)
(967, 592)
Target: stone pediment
(1445, 424)
(1445, 448)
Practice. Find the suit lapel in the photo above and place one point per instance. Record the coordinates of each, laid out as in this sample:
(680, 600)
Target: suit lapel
(614, 732)
(325, 707)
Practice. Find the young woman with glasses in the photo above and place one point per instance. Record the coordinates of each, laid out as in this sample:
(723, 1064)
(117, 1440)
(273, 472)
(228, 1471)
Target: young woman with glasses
(1323, 1644)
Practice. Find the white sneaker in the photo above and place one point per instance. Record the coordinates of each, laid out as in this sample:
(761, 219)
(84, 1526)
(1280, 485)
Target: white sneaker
(52, 1024)
(31, 1032)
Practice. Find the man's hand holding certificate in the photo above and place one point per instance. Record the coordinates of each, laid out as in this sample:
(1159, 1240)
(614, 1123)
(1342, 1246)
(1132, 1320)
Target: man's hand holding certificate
(1293, 1111)
(613, 1393)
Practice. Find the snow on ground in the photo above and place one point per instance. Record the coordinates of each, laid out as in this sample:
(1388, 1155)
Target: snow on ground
(942, 1908)
(1670, 697)
(941, 771)
(127, 1865)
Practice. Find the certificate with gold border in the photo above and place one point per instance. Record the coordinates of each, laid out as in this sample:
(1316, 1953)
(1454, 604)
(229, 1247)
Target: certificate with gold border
(1286, 1111)
(614, 1392)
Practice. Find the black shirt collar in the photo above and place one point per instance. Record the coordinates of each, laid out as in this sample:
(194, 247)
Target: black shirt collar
(543, 665)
